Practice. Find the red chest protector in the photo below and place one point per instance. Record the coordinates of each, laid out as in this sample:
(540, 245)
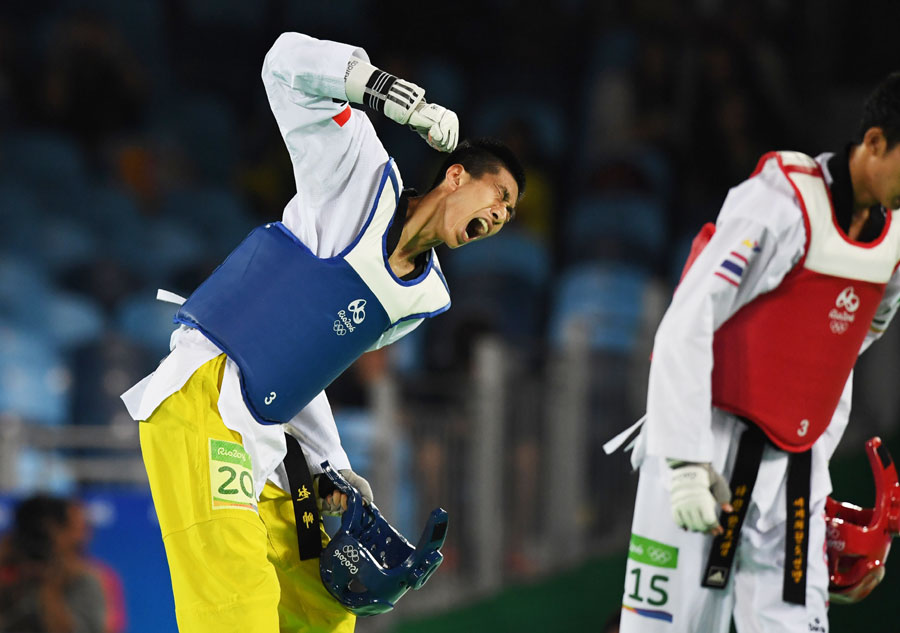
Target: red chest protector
(783, 359)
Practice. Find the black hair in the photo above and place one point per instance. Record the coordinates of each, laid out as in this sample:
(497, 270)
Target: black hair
(484, 155)
(882, 109)
(36, 518)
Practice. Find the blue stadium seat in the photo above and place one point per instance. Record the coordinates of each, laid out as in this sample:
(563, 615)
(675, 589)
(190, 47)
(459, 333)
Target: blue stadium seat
(39, 471)
(511, 252)
(34, 380)
(65, 243)
(146, 321)
(606, 299)
(24, 285)
(500, 284)
(206, 129)
(111, 213)
(20, 218)
(216, 213)
(28, 300)
(163, 248)
(45, 160)
(71, 320)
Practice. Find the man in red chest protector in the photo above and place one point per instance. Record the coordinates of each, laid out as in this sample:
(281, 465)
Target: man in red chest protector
(750, 388)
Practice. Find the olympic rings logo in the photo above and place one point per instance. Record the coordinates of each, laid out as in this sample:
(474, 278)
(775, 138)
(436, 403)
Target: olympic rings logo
(659, 556)
(839, 327)
(339, 328)
(351, 553)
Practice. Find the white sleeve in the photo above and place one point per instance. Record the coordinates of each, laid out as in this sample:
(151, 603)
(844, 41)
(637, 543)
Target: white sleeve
(304, 82)
(317, 433)
(337, 163)
(835, 431)
(890, 302)
(761, 236)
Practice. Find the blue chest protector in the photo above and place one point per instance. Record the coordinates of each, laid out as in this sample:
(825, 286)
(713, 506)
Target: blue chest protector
(293, 322)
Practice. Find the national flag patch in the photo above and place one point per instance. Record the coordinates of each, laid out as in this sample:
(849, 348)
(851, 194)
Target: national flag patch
(733, 266)
(342, 117)
(653, 614)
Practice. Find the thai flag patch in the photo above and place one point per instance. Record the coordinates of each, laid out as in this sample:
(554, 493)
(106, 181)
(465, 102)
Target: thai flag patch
(653, 614)
(733, 266)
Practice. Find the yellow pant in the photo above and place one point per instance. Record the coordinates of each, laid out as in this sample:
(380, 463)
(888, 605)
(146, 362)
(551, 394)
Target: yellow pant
(234, 568)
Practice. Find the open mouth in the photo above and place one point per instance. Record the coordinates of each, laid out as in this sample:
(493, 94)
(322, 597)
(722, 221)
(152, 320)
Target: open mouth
(476, 228)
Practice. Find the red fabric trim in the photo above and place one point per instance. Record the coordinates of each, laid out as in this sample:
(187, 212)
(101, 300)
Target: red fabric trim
(342, 117)
(817, 171)
(846, 238)
(803, 169)
(805, 213)
(762, 162)
(740, 257)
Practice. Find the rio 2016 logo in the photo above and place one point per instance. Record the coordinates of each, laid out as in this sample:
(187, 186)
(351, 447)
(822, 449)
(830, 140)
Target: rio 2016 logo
(348, 557)
(344, 323)
(842, 315)
(357, 310)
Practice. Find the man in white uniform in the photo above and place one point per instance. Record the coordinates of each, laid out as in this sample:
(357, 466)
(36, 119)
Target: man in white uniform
(750, 386)
(351, 267)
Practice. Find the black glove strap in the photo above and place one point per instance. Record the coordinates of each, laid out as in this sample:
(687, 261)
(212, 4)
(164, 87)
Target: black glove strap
(306, 513)
(746, 468)
(796, 539)
(378, 88)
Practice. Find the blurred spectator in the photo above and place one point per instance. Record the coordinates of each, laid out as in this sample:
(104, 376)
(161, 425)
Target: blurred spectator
(46, 583)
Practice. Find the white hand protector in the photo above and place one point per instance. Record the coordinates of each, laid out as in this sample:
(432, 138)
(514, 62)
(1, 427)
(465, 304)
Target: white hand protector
(697, 491)
(383, 92)
(335, 502)
(437, 125)
(399, 98)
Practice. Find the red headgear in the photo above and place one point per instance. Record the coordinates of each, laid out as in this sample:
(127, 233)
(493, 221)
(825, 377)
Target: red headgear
(859, 539)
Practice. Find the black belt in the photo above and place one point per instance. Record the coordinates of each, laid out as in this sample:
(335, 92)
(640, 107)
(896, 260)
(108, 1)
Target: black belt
(306, 513)
(743, 479)
(796, 542)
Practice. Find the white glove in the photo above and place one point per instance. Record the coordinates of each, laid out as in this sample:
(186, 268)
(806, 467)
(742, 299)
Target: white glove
(396, 98)
(437, 125)
(403, 102)
(697, 491)
(336, 502)
(400, 100)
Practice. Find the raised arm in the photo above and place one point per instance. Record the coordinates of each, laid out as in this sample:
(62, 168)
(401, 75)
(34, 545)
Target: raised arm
(309, 83)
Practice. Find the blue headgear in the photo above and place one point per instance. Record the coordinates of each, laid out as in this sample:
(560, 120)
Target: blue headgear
(368, 565)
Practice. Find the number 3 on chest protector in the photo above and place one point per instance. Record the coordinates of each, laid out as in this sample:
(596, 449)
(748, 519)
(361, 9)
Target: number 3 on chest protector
(270, 398)
(804, 426)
